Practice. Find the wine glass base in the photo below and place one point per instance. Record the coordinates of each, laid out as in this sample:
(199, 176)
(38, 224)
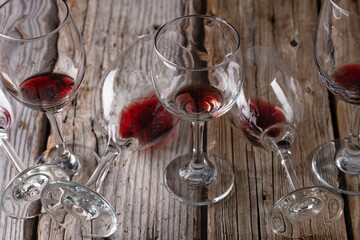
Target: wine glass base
(79, 209)
(193, 192)
(327, 163)
(20, 198)
(305, 212)
(78, 173)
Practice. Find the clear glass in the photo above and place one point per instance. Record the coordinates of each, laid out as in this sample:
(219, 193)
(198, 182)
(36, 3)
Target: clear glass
(129, 112)
(197, 74)
(43, 64)
(21, 197)
(132, 117)
(338, 64)
(268, 112)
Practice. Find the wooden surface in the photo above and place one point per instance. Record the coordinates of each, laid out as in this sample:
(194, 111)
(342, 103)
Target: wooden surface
(134, 185)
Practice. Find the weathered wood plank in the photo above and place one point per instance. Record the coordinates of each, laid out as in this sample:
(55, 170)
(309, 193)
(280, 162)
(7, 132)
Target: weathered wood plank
(342, 113)
(288, 27)
(134, 185)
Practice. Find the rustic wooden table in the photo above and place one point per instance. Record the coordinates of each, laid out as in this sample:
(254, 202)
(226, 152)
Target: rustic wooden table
(134, 185)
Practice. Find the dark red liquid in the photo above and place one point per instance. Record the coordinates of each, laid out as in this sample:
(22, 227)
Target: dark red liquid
(257, 117)
(146, 120)
(348, 76)
(46, 88)
(199, 99)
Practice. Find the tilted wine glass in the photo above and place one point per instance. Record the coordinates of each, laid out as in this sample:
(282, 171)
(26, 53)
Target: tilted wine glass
(21, 197)
(197, 75)
(133, 118)
(337, 59)
(268, 112)
(43, 65)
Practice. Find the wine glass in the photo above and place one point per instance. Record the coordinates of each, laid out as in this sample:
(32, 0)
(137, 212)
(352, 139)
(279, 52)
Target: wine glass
(43, 64)
(338, 64)
(133, 118)
(21, 197)
(268, 112)
(197, 75)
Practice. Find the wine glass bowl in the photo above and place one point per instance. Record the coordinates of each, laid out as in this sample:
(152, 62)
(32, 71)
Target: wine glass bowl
(268, 112)
(39, 70)
(203, 86)
(197, 74)
(129, 112)
(338, 64)
(43, 64)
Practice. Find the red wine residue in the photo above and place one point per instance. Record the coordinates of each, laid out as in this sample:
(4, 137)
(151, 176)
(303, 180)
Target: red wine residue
(199, 99)
(348, 76)
(257, 117)
(145, 119)
(46, 88)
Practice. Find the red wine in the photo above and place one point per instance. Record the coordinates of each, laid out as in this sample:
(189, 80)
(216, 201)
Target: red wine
(348, 76)
(146, 120)
(199, 99)
(46, 88)
(257, 117)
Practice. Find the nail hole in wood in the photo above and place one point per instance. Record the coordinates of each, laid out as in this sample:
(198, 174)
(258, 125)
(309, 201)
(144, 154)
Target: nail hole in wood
(293, 43)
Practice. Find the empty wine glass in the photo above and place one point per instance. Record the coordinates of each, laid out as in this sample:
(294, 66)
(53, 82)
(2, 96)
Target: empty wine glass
(197, 75)
(268, 112)
(43, 64)
(21, 197)
(338, 64)
(133, 118)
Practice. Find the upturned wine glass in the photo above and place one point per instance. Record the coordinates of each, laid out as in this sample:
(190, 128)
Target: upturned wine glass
(132, 117)
(268, 112)
(21, 197)
(43, 64)
(197, 74)
(338, 62)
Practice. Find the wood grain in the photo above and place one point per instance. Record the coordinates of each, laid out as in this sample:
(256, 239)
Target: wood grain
(287, 27)
(134, 186)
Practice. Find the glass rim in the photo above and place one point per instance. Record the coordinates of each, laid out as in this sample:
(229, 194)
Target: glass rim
(238, 47)
(42, 36)
(342, 10)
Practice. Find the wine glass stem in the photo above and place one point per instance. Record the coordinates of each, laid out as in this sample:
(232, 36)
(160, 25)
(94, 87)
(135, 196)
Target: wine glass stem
(197, 161)
(284, 155)
(99, 174)
(56, 128)
(199, 171)
(354, 137)
(65, 158)
(10, 152)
